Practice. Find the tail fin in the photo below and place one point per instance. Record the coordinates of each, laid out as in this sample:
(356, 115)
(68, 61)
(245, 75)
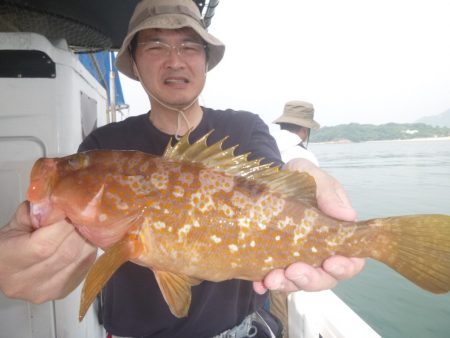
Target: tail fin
(418, 247)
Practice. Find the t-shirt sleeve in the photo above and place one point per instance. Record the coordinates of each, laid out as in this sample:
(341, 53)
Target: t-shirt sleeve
(89, 143)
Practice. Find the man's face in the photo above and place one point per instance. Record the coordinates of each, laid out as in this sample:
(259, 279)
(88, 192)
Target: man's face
(174, 75)
(303, 133)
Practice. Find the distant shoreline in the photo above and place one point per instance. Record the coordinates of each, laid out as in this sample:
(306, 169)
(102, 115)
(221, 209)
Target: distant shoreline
(418, 139)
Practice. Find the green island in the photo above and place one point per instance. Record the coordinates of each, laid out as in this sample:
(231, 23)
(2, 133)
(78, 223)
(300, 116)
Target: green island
(355, 132)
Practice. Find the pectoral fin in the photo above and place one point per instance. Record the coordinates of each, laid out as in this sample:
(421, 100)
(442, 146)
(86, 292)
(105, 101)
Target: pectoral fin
(103, 269)
(176, 290)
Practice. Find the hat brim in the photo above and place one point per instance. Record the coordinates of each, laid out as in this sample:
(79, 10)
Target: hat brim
(216, 48)
(298, 122)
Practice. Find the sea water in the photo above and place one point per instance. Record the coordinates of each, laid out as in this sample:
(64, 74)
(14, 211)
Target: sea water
(386, 179)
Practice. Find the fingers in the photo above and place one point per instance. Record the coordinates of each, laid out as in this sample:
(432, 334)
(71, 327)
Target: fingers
(55, 276)
(23, 216)
(342, 268)
(332, 199)
(35, 246)
(64, 278)
(52, 261)
(301, 276)
(331, 196)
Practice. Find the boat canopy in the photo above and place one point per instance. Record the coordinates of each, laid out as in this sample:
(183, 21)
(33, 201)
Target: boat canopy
(86, 25)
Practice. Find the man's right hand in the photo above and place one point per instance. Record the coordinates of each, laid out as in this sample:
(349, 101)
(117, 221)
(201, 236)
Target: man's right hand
(43, 264)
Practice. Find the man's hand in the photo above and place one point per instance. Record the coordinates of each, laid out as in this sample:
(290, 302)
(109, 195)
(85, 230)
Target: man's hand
(44, 264)
(333, 201)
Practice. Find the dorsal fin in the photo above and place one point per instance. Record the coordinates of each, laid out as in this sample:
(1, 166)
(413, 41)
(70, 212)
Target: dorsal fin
(298, 185)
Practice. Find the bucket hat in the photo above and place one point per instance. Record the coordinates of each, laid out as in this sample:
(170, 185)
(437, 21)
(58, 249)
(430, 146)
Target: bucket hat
(300, 113)
(167, 14)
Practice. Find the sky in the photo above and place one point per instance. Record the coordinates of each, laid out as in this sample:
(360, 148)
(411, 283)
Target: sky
(362, 61)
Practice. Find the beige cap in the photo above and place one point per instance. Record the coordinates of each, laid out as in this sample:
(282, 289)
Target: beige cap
(300, 113)
(167, 14)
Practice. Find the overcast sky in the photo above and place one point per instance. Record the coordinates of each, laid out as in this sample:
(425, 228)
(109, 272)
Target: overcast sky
(361, 61)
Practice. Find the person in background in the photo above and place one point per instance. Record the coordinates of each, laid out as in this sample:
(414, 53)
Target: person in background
(168, 49)
(292, 140)
(296, 123)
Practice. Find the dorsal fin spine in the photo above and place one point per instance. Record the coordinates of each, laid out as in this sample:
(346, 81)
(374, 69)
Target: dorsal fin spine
(299, 186)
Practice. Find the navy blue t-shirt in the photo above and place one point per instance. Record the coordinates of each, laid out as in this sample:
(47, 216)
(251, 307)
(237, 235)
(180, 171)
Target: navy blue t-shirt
(133, 303)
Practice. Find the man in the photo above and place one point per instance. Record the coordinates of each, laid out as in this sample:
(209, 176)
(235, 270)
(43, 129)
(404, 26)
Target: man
(169, 51)
(296, 123)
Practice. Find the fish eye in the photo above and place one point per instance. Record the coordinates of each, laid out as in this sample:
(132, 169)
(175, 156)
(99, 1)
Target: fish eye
(77, 162)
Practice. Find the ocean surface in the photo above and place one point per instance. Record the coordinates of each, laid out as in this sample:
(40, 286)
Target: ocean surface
(386, 179)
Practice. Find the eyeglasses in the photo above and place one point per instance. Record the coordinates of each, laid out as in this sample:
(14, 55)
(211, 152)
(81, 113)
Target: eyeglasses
(161, 49)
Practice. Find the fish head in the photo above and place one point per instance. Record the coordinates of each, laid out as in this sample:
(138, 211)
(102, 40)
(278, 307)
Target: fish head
(62, 187)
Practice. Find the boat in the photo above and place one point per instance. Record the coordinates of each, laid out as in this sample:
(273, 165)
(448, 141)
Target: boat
(53, 78)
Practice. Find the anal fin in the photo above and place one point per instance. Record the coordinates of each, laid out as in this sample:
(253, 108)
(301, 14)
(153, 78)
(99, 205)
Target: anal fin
(103, 269)
(176, 290)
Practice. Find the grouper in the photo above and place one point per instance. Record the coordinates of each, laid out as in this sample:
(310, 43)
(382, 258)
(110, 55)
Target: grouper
(201, 213)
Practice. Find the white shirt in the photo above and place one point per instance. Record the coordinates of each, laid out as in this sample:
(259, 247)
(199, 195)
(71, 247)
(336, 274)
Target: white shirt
(288, 143)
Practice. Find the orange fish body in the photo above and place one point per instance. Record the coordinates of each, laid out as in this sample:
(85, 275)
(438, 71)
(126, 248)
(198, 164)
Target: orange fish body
(200, 213)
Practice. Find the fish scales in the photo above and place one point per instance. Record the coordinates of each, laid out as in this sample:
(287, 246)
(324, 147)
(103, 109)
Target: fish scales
(198, 226)
(200, 213)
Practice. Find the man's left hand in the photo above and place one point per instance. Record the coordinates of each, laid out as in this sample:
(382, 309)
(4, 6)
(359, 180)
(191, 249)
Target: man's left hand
(333, 201)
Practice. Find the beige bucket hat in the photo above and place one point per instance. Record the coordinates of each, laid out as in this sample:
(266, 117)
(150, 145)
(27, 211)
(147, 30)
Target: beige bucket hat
(167, 14)
(300, 113)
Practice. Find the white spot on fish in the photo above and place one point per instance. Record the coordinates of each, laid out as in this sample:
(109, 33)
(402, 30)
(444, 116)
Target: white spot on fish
(314, 249)
(277, 238)
(178, 191)
(262, 226)
(159, 225)
(244, 222)
(322, 229)
(252, 244)
(296, 254)
(226, 209)
(202, 201)
(288, 221)
(183, 232)
(271, 205)
(304, 228)
(331, 242)
(216, 239)
(342, 235)
(102, 217)
(268, 260)
(212, 181)
(239, 200)
(122, 206)
(233, 247)
(160, 180)
(186, 178)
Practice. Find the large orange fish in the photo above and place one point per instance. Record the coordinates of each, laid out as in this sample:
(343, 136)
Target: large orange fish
(201, 213)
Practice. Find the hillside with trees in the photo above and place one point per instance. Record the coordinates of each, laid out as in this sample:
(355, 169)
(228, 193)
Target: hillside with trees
(355, 132)
(440, 120)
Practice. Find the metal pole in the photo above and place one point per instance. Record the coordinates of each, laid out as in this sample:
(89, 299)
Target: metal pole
(112, 90)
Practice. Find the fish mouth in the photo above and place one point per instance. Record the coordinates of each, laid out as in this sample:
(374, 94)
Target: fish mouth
(44, 213)
(42, 178)
(38, 212)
